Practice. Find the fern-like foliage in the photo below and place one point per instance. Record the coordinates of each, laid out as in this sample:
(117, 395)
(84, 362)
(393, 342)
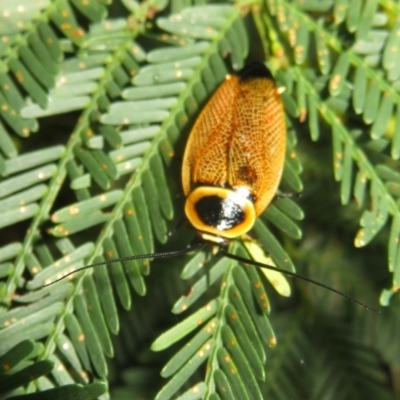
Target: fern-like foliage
(96, 101)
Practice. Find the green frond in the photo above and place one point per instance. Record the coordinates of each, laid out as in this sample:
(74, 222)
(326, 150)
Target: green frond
(96, 102)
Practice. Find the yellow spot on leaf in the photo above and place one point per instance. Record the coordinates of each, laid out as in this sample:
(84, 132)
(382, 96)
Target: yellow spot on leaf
(74, 210)
(19, 76)
(195, 389)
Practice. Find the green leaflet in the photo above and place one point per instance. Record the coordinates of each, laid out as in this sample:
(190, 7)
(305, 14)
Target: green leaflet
(185, 327)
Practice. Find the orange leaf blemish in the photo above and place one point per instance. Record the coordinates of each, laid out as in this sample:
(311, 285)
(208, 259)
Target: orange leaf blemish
(335, 81)
(6, 367)
(19, 76)
(78, 33)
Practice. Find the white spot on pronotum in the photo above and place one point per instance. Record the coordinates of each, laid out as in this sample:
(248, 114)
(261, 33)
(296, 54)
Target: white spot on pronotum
(234, 199)
(65, 346)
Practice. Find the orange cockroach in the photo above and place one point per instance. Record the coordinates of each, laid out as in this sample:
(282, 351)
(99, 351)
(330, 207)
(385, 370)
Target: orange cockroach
(233, 164)
(234, 157)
